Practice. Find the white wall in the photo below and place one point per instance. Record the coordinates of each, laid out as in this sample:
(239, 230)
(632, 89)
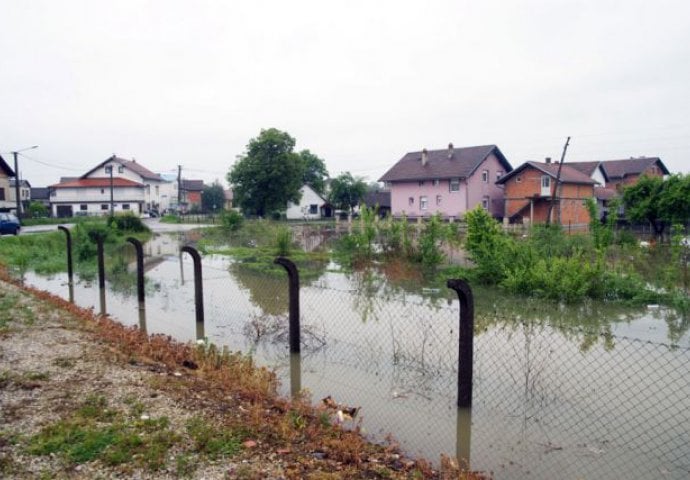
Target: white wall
(301, 211)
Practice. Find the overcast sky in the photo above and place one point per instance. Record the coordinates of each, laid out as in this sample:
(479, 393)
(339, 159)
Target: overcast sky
(359, 83)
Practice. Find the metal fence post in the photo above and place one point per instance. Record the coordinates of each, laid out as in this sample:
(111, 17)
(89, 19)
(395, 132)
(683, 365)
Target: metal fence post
(293, 277)
(198, 291)
(70, 268)
(466, 348)
(101, 272)
(140, 281)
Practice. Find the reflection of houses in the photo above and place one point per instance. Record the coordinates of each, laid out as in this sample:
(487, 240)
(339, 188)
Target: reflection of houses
(5, 174)
(380, 201)
(450, 181)
(530, 187)
(126, 184)
(311, 206)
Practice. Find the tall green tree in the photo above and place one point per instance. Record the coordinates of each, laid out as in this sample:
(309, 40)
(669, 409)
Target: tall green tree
(268, 175)
(347, 191)
(642, 202)
(675, 201)
(213, 197)
(315, 172)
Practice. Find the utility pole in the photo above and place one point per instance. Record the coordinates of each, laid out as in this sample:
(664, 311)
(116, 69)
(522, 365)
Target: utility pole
(179, 187)
(112, 203)
(555, 190)
(15, 154)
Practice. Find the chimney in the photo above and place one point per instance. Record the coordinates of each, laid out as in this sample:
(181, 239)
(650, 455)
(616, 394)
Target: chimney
(425, 157)
(547, 159)
(450, 150)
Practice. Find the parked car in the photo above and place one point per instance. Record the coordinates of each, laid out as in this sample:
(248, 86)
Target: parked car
(9, 224)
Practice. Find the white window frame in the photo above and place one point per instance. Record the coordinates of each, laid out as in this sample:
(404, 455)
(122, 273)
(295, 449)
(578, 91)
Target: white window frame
(455, 181)
(485, 176)
(423, 202)
(485, 203)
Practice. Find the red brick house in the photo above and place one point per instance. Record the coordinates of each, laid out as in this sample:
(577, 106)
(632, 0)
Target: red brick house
(621, 173)
(530, 187)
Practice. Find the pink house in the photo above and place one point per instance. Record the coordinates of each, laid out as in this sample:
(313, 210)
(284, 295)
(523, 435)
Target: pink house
(450, 181)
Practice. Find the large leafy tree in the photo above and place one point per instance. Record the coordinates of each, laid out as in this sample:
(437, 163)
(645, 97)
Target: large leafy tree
(657, 201)
(268, 175)
(347, 191)
(213, 197)
(315, 172)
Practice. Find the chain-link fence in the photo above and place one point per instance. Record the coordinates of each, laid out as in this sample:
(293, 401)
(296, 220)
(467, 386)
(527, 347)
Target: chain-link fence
(549, 401)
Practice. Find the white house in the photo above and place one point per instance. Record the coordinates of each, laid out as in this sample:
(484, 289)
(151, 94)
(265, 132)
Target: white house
(5, 174)
(123, 185)
(311, 206)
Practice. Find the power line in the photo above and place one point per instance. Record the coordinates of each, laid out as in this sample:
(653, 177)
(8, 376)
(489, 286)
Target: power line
(52, 165)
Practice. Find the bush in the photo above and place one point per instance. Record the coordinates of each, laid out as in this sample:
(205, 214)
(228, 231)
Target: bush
(231, 220)
(127, 223)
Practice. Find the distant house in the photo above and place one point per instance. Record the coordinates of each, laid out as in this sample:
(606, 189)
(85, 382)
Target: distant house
(41, 195)
(449, 182)
(228, 198)
(124, 185)
(311, 206)
(621, 173)
(5, 174)
(191, 193)
(380, 201)
(24, 192)
(530, 187)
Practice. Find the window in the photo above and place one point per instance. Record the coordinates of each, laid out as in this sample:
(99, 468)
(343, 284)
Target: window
(125, 206)
(454, 184)
(436, 182)
(102, 190)
(423, 202)
(518, 179)
(545, 181)
(120, 169)
(485, 203)
(410, 201)
(156, 189)
(52, 193)
(83, 207)
(313, 209)
(104, 206)
(2, 194)
(485, 176)
(420, 183)
(499, 174)
(438, 199)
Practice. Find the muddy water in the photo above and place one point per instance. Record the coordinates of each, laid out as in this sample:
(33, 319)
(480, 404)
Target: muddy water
(559, 392)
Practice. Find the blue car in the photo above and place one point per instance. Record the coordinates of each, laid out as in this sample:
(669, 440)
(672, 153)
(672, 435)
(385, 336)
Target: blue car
(9, 224)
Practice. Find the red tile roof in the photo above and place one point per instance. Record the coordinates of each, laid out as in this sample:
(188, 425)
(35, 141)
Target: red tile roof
(103, 182)
(568, 174)
(443, 164)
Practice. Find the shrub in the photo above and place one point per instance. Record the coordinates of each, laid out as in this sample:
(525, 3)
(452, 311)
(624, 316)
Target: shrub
(127, 223)
(231, 220)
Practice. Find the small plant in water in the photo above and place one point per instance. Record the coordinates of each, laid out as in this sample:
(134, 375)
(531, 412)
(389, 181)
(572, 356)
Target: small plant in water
(283, 241)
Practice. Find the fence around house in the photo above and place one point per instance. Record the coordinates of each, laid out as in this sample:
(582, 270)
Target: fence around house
(536, 399)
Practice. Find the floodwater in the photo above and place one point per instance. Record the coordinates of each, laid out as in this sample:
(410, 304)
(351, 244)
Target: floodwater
(592, 391)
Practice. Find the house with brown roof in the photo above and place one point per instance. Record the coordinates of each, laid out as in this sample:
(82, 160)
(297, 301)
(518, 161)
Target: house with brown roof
(116, 183)
(621, 173)
(448, 182)
(529, 191)
(190, 193)
(5, 174)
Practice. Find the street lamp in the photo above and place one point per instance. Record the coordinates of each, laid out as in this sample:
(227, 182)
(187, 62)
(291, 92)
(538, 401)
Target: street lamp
(109, 169)
(15, 154)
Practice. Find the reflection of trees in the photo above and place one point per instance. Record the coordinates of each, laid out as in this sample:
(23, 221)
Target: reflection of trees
(268, 292)
(678, 325)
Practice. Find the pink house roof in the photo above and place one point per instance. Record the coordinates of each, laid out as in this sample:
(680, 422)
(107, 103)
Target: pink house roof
(443, 164)
(568, 173)
(103, 182)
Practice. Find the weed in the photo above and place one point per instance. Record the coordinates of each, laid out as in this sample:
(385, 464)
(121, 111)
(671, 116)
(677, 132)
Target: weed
(64, 362)
(184, 465)
(212, 441)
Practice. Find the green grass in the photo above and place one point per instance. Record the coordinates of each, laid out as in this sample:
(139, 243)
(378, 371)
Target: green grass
(213, 442)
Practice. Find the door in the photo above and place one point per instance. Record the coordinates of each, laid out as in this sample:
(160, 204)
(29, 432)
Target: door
(64, 211)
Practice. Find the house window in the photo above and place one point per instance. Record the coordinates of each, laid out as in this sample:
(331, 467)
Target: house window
(313, 209)
(545, 181)
(499, 174)
(104, 206)
(125, 206)
(423, 202)
(438, 199)
(454, 184)
(102, 190)
(485, 203)
(485, 176)
(83, 207)
(52, 193)
(518, 179)
(410, 201)
(420, 183)
(436, 182)
(2, 194)
(120, 169)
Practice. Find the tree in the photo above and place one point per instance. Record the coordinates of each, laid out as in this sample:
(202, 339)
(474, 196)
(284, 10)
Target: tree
(213, 197)
(268, 175)
(315, 172)
(347, 191)
(658, 201)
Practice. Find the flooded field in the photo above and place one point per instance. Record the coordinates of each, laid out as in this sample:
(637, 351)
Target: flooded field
(586, 391)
